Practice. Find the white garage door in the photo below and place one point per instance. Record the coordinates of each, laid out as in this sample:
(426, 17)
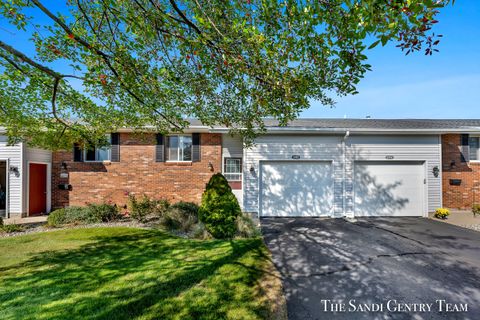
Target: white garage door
(296, 189)
(389, 188)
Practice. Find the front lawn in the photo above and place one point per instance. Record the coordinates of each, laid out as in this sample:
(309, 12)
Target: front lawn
(125, 273)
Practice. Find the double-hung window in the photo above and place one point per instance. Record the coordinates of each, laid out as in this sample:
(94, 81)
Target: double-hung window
(99, 154)
(232, 169)
(474, 144)
(178, 148)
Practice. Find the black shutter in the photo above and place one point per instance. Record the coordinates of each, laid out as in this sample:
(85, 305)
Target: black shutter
(196, 155)
(160, 148)
(464, 148)
(115, 153)
(77, 153)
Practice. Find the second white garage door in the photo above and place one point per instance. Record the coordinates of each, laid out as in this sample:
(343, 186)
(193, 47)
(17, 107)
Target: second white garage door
(384, 188)
(296, 189)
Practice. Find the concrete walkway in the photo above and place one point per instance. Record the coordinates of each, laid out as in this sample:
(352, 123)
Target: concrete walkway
(26, 220)
(461, 218)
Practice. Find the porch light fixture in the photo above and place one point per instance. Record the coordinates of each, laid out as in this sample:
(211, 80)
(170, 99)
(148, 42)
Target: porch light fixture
(14, 170)
(436, 171)
(210, 166)
(63, 170)
(452, 164)
(252, 169)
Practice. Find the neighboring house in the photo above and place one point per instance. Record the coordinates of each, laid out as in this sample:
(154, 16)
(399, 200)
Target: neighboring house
(313, 167)
(25, 179)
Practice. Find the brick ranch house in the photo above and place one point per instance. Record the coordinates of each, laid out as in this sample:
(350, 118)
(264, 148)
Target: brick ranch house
(312, 167)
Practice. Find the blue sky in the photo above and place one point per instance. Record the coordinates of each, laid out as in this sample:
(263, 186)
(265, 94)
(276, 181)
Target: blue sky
(445, 85)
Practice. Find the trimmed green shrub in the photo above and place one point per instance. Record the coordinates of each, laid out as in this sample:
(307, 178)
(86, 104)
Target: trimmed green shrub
(93, 213)
(56, 218)
(246, 228)
(476, 209)
(9, 228)
(181, 216)
(103, 212)
(1, 221)
(220, 208)
(141, 209)
(442, 213)
(80, 215)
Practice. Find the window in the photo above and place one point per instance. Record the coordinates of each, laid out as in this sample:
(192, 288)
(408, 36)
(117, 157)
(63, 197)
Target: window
(99, 154)
(474, 148)
(179, 148)
(232, 169)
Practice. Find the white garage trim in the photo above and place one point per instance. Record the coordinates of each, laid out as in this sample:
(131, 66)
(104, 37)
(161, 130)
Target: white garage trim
(329, 187)
(413, 163)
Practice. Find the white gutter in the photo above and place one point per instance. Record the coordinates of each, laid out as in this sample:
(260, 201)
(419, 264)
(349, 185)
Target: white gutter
(304, 130)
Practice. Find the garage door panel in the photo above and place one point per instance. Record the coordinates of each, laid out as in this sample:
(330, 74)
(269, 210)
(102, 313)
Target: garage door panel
(296, 189)
(389, 189)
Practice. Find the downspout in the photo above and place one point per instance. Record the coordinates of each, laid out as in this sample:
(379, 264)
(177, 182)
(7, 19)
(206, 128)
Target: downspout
(344, 183)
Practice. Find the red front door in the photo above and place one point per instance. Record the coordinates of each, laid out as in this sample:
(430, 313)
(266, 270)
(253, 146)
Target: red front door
(37, 192)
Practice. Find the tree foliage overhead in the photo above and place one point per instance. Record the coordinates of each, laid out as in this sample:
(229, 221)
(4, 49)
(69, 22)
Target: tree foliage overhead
(103, 64)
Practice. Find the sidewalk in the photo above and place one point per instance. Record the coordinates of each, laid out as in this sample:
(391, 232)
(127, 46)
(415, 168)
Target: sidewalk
(461, 218)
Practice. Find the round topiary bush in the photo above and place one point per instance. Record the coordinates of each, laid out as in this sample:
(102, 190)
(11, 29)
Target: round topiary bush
(220, 208)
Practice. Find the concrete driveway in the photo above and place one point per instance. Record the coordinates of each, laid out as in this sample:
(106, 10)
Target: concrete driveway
(376, 268)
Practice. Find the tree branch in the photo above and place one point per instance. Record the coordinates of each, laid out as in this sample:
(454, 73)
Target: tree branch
(184, 17)
(24, 58)
(56, 84)
(106, 58)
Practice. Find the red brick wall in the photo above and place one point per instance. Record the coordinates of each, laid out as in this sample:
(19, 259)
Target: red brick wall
(136, 173)
(464, 195)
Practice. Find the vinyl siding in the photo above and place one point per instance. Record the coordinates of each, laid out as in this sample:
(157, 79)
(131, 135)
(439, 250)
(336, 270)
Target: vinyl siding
(15, 192)
(38, 155)
(424, 148)
(232, 146)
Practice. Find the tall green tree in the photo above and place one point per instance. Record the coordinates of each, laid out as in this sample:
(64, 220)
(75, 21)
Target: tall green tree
(105, 64)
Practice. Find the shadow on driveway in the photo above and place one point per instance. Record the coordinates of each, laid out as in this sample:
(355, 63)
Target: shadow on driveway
(372, 261)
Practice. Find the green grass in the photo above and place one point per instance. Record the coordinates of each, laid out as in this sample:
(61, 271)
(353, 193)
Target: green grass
(125, 273)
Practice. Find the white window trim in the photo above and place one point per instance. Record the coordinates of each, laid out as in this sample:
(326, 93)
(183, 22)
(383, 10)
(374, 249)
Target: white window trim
(478, 151)
(241, 169)
(109, 154)
(178, 148)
